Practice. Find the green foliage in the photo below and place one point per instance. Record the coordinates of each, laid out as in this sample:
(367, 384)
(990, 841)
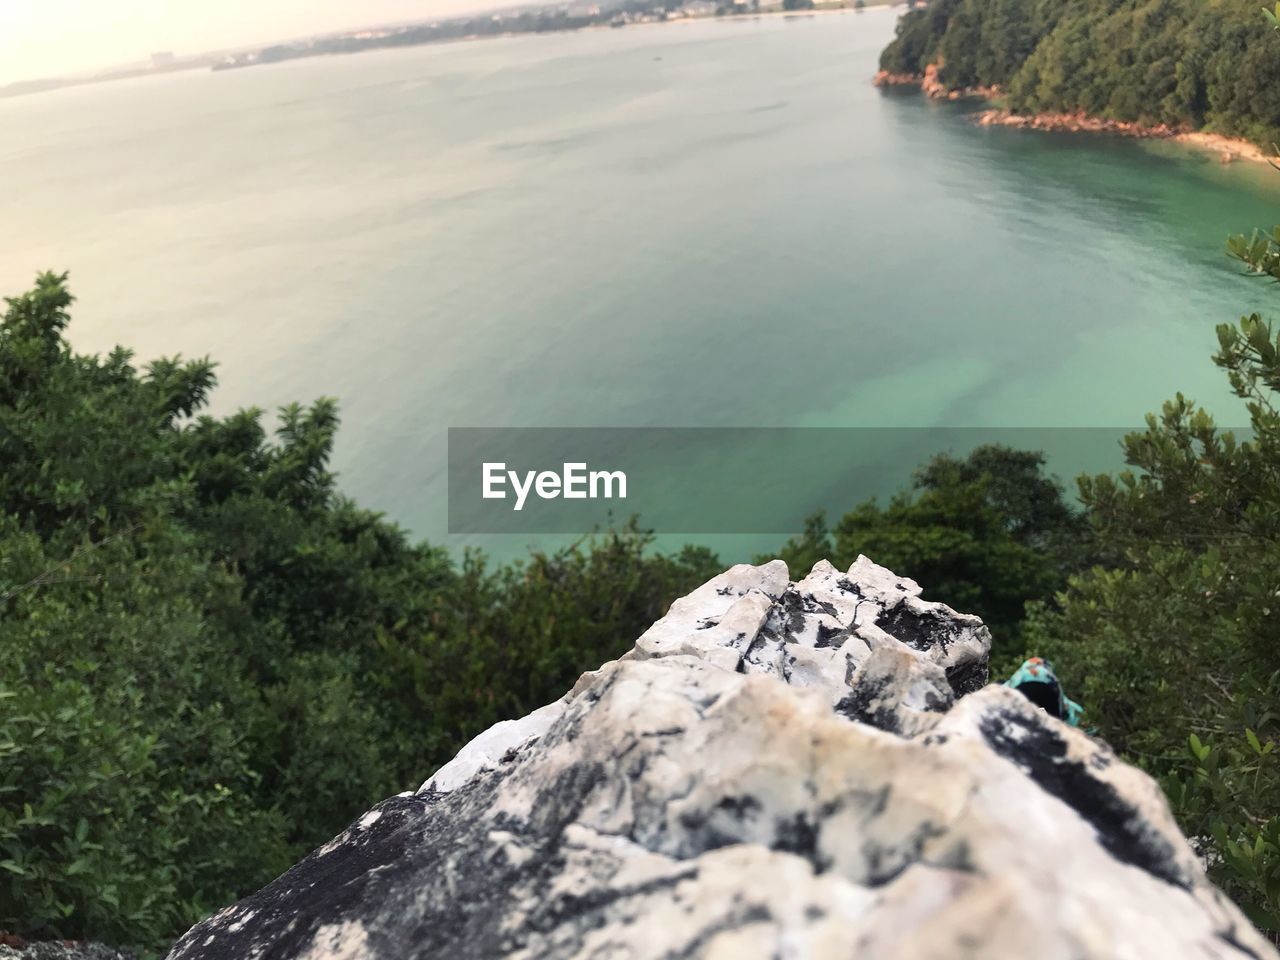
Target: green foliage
(209, 659)
(1260, 253)
(1223, 791)
(518, 637)
(1176, 635)
(128, 801)
(1185, 63)
(918, 34)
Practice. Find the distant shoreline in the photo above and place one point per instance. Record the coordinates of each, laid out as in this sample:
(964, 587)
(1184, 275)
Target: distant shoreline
(219, 61)
(375, 44)
(1229, 149)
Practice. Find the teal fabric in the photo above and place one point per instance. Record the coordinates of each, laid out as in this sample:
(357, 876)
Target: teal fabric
(1037, 670)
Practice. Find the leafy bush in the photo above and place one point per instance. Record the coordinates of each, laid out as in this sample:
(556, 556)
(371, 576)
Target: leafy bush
(1175, 638)
(518, 637)
(1224, 795)
(128, 799)
(209, 658)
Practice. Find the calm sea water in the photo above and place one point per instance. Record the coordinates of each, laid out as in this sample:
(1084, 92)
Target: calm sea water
(719, 223)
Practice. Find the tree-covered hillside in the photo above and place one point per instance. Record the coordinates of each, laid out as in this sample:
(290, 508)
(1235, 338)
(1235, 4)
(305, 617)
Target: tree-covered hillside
(1202, 64)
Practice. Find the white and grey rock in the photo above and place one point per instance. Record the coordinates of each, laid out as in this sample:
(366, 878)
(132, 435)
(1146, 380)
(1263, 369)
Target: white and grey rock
(776, 770)
(59, 950)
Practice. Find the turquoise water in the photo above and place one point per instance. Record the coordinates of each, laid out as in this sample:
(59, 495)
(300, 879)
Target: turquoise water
(710, 224)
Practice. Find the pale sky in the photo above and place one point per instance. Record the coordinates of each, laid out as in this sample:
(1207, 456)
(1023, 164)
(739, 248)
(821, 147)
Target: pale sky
(47, 38)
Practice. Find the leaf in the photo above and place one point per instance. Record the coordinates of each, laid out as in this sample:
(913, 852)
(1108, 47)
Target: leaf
(1198, 750)
(1262, 919)
(1253, 741)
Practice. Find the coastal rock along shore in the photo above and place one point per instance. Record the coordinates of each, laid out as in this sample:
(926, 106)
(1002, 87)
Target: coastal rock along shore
(1228, 149)
(812, 769)
(932, 86)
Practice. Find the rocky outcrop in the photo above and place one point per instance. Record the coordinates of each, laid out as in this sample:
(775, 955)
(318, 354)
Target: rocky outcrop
(777, 769)
(1228, 149)
(886, 79)
(930, 83)
(1071, 123)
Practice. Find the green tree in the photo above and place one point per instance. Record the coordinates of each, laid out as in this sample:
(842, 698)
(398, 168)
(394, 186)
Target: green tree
(1178, 62)
(211, 660)
(518, 637)
(1179, 636)
(1173, 647)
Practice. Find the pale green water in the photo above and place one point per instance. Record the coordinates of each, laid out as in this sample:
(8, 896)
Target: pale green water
(712, 224)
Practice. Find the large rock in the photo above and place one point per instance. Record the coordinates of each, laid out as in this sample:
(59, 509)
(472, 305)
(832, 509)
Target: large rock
(777, 769)
(14, 948)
